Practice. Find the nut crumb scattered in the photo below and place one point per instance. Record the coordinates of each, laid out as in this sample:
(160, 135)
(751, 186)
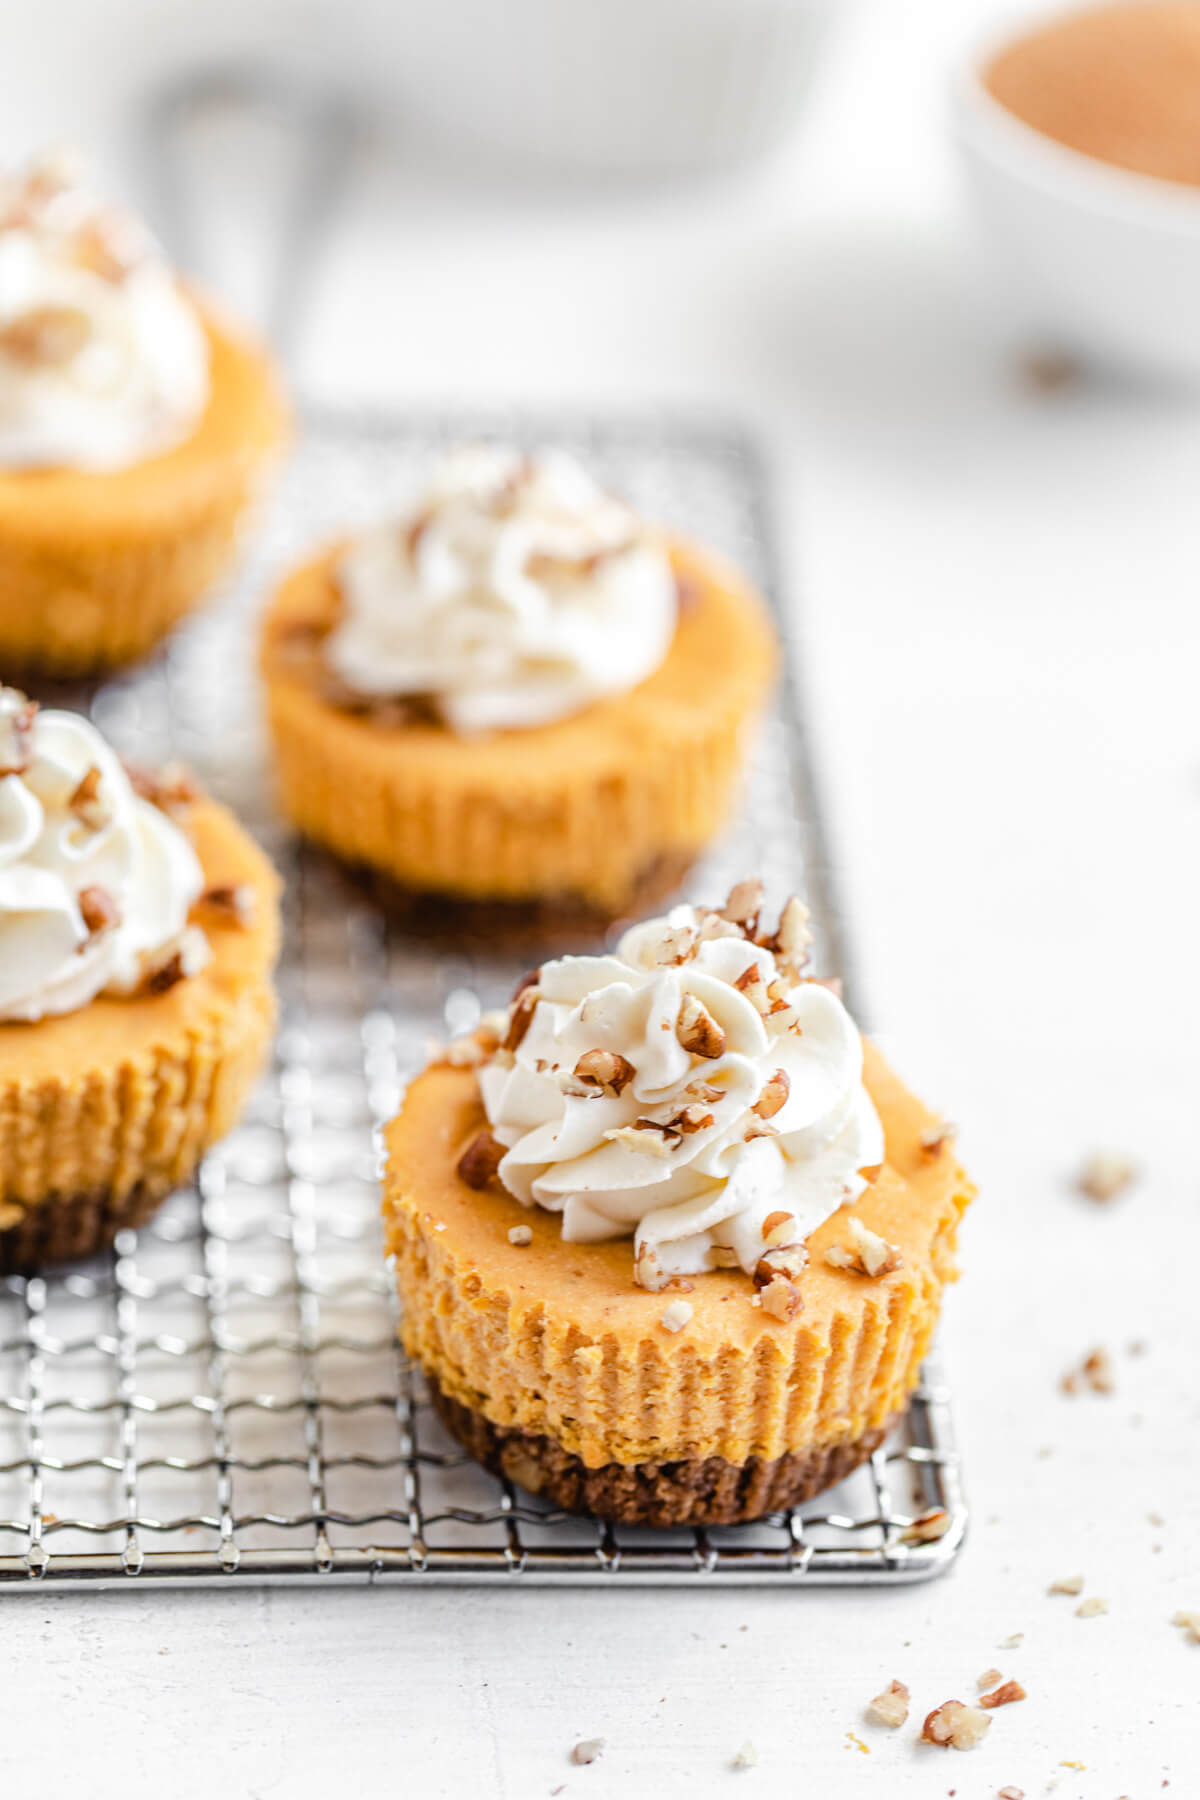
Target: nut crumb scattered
(1189, 1624)
(677, 1315)
(955, 1726)
(520, 1235)
(927, 1527)
(587, 1750)
(1091, 1608)
(1005, 1695)
(1050, 371)
(890, 1707)
(989, 1678)
(1066, 1584)
(1107, 1174)
(746, 1757)
(1010, 1793)
(1014, 1642)
(1096, 1372)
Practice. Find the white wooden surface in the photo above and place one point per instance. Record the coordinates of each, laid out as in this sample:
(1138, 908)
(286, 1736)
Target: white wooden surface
(999, 591)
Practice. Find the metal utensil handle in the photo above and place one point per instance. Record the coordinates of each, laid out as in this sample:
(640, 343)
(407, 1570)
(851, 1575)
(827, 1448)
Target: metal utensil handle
(324, 128)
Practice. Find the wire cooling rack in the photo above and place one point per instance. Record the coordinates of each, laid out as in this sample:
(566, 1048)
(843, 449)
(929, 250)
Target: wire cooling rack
(222, 1399)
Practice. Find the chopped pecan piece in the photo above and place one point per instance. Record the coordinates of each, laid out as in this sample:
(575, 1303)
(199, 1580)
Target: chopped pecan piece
(955, 1726)
(520, 1235)
(520, 1018)
(98, 910)
(530, 979)
(1066, 1584)
(178, 960)
(648, 1272)
(677, 1315)
(604, 1070)
(867, 1254)
(794, 937)
(17, 714)
(88, 804)
(1188, 1623)
(781, 1298)
(689, 1120)
(650, 1137)
(588, 1750)
(890, 1708)
(480, 1160)
(697, 1030)
(789, 1260)
(171, 789)
(712, 925)
(45, 335)
(989, 1678)
(750, 982)
(98, 249)
(1004, 1695)
(744, 906)
(677, 944)
(774, 1095)
(233, 899)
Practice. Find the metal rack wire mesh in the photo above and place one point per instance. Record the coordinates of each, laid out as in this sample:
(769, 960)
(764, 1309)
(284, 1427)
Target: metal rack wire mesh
(223, 1397)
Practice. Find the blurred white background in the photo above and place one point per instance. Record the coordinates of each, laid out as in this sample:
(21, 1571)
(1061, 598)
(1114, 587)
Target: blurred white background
(999, 588)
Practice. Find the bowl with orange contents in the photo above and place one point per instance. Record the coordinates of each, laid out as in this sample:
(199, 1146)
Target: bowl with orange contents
(1080, 136)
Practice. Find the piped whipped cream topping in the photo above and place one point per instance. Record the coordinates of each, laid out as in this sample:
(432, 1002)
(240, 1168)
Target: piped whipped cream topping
(515, 592)
(95, 882)
(103, 362)
(692, 1090)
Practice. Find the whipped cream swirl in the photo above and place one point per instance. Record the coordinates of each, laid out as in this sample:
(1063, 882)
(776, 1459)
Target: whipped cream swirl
(95, 882)
(692, 1091)
(515, 592)
(103, 362)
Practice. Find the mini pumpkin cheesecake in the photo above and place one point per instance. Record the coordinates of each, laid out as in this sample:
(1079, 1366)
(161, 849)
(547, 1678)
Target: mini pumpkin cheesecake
(135, 427)
(670, 1239)
(138, 931)
(516, 696)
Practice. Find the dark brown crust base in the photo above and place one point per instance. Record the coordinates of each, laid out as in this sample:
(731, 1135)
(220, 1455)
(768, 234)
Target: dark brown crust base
(703, 1491)
(539, 923)
(70, 1229)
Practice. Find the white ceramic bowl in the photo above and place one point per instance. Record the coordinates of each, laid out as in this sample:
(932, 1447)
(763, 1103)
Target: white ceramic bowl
(630, 87)
(1098, 260)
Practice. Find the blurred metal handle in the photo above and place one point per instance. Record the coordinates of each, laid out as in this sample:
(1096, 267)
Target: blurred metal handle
(323, 127)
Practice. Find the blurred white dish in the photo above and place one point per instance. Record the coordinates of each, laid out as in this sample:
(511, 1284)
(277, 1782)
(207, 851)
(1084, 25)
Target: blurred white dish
(1099, 260)
(629, 86)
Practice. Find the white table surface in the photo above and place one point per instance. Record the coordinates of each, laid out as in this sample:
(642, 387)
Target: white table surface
(999, 591)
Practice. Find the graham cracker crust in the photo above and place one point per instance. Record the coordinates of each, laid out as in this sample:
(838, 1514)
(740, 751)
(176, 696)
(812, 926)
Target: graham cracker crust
(69, 1228)
(702, 1491)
